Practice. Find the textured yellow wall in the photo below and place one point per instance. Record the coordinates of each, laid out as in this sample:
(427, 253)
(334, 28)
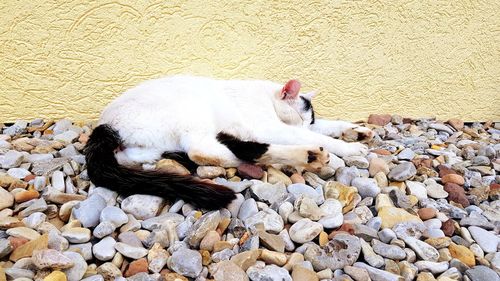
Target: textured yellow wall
(416, 58)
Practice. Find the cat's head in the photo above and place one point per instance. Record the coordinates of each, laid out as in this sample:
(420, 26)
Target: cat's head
(300, 110)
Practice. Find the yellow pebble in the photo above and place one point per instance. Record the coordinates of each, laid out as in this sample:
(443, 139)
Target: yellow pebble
(55, 276)
(197, 214)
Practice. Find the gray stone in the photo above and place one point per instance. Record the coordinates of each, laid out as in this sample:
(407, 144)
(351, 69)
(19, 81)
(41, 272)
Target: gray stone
(88, 211)
(305, 230)
(248, 209)
(18, 173)
(130, 251)
(237, 187)
(104, 228)
(161, 221)
(366, 187)
(113, 215)
(268, 273)
(402, 172)
(11, 159)
(377, 274)
(46, 168)
(388, 251)
(142, 206)
(433, 267)
(272, 221)
(358, 161)
(481, 273)
(76, 272)
(202, 226)
(345, 175)
(342, 250)
(423, 250)
(5, 247)
(486, 240)
(186, 262)
(269, 193)
(104, 250)
(406, 154)
(298, 189)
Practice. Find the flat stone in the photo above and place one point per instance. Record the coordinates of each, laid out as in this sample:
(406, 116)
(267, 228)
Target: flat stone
(342, 250)
(202, 226)
(51, 259)
(269, 193)
(388, 251)
(88, 210)
(210, 172)
(481, 273)
(77, 271)
(366, 187)
(423, 250)
(104, 250)
(392, 216)
(77, 234)
(268, 273)
(305, 230)
(113, 215)
(272, 221)
(402, 172)
(142, 206)
(6, 199)
(377, 274)
(186, 262)
(26, 250)
(130, 251)
(486, 240)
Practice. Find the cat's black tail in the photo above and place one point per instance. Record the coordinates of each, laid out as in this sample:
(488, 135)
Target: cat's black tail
(103, 170)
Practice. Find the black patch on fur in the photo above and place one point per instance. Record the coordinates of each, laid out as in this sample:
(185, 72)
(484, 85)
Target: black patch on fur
(104, 170)
(311, 156)
(248, 151)
(182, 158)
(307, 103)
(308, 106)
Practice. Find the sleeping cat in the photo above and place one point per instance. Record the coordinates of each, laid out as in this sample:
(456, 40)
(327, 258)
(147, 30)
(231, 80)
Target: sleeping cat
(215, 122)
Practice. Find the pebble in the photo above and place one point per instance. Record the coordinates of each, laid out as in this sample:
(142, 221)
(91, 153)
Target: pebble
(269, 272)
(402, 172)
(186, 262)
(77, 234)
(305, 230)
(88, 210)
(104, 250)
(366, 187)
(113, 215)
(77, 271)
(141, 206)
(51, 259)
(130, 251)
(486, 240)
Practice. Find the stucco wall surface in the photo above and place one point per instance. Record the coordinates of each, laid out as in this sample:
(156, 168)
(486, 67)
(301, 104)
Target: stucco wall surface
(416, 58)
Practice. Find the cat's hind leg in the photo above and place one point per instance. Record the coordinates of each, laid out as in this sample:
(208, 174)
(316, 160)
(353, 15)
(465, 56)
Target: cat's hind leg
(207, 151)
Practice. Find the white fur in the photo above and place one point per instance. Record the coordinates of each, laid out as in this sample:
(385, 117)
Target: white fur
(185, 113)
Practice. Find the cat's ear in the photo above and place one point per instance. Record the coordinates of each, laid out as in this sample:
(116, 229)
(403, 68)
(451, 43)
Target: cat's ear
(290, 90)
(309, 96)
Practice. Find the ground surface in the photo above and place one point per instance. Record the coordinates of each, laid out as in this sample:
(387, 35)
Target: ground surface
(423, 205)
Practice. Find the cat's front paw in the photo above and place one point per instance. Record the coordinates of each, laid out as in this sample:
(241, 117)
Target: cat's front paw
(317, 158)
(358, 134)
(354, 148)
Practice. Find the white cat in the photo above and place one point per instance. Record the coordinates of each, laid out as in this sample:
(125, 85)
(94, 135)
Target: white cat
(215, 122)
